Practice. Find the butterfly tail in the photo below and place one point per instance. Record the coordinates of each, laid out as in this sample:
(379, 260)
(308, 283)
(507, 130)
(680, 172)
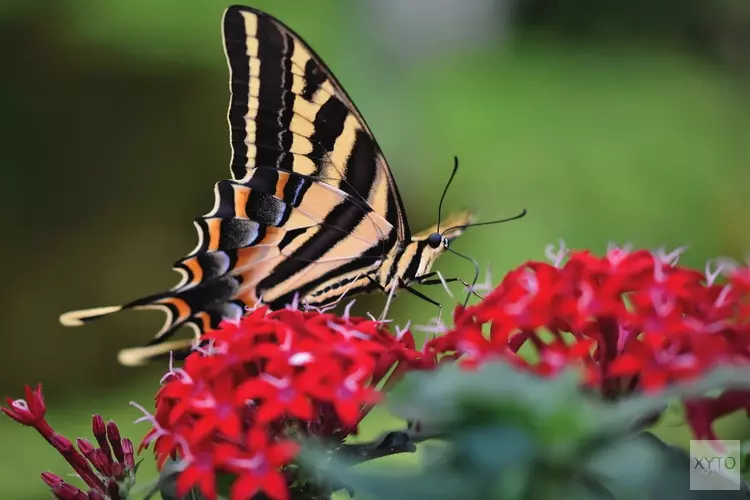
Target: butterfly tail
(201, 307)
(136, 356)
(83, 316)
(177, 313)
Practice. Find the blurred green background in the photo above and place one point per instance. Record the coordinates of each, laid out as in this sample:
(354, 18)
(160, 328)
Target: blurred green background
(608, 121)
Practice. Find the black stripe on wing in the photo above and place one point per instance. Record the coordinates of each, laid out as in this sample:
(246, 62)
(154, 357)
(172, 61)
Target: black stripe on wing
(336, 227)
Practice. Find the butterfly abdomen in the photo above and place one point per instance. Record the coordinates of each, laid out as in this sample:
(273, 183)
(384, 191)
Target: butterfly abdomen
(402, 265)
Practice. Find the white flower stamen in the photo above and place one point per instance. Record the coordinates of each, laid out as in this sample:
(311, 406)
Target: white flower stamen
(248, 463)
(615, 254)
(445, 285)
(301, 358)
(401, 332)
(671, 258)
(721, 299)
(294, 305)
(347, 310)
(376, 320)
(659, 275)
(587, 296)
(663, 302)
(484, 286)
(436, 326)
(529, 282)
(556, 256)
(178, 373)
(723, 265)
(348, 333)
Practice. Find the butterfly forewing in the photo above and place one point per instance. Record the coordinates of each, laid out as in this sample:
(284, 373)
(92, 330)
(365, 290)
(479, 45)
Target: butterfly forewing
(287, 111)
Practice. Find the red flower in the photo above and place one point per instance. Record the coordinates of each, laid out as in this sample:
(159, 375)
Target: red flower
(702, 412)
(29, 411)
(199, 467)
(271, 375)
(279, 396)
(345, 391)
(630, 320)
(259, 472)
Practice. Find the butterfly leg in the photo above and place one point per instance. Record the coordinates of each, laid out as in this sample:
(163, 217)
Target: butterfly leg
(408, 289)
(424, 280)
(422, 296)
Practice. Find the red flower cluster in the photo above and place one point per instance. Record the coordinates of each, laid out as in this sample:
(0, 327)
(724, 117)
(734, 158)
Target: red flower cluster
(107, 470)
(254, 384)
(632, 320)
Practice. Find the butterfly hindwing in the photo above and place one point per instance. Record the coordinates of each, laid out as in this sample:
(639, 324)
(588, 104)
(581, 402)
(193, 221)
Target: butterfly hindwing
(248, 236)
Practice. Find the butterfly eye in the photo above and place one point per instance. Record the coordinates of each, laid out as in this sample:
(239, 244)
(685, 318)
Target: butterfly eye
(435, 240)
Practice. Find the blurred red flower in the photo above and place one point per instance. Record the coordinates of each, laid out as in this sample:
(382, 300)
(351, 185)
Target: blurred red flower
(633, 320)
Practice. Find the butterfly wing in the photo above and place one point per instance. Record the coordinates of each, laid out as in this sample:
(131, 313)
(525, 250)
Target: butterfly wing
(288, 111)
(312, 201)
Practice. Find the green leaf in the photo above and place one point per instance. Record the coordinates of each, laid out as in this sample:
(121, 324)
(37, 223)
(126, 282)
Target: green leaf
(492, 448)
(509, 434)
(674, 481)
(627, 467)
(497, 390)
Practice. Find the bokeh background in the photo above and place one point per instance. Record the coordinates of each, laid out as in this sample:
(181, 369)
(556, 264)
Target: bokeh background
(609, 121)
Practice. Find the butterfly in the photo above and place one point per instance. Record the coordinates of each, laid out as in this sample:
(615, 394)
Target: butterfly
(311, 213)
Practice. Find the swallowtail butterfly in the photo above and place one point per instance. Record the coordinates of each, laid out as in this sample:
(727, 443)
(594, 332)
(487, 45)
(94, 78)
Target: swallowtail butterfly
(312, 210)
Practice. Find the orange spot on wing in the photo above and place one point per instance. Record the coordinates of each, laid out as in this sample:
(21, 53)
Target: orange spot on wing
(281, 184)
(214, 231)
(241, 194)
(182, 307)
(195, 269)
(205, 320)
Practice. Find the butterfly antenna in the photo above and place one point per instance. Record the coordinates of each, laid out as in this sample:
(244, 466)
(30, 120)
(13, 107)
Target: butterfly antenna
(445, 191)
(476, 273)
(499, 221)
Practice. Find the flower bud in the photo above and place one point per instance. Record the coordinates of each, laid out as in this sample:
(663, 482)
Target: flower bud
(51, 479)
(127, 448)
(96, 495)
(113, 435)
(65, 491)
(85, 446)
(100, 433)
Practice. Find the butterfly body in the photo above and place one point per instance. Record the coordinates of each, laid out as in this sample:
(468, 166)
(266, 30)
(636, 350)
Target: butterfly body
(312, 212)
